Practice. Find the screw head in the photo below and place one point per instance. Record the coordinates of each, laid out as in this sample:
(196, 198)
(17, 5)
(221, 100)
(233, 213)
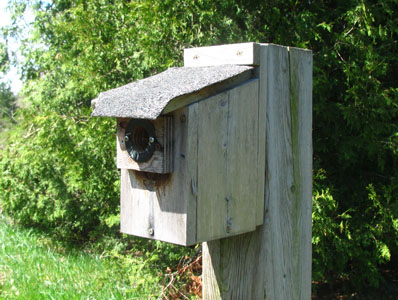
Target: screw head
(126, 138)
(151, 231)
(151, 139)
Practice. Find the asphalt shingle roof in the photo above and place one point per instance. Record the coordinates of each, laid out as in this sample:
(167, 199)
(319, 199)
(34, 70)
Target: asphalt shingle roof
(146, 98)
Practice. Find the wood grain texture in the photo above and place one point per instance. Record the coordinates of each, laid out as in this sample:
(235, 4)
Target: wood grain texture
(227, 157)
(280, 202)
(212, 204)
(163, 206)
(162, 159)
(212, 284)
(301, 110)
(276, 258)
(241, 160)
(236, 54)
(183, 189)
(229, 271)
(262, 75)
(131, 202)
(289, 174)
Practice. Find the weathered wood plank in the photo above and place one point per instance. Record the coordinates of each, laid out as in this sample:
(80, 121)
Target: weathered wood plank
(184, 188)
(228, 268)
(280, 201)
(241, 158)
(212, 152)
(236, 54)
(301, 111)
(131, 196)
(227, 157)
(212, 284)
(262, 109)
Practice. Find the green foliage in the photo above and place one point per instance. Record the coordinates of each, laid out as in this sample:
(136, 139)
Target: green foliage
(4, 59)
(58, 169)
(7, 98)
(7, 105)
(61, 187)
(359, 247)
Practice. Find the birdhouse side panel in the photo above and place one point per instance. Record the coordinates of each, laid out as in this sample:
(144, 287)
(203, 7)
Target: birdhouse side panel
(227, 162)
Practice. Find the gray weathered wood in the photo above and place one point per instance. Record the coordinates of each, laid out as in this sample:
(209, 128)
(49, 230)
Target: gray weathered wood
(301, 109)
(276, 258)
(229, 271)
(242, 159)
(227, 162)
(237, 54)
(262, 109)
(190, 176)
(212, 204)
(279, 224)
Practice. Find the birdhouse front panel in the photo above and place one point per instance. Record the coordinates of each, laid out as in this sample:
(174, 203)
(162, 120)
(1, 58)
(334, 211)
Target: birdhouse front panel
(163, 206)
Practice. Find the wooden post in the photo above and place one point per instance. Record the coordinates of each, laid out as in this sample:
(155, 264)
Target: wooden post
(273, 262)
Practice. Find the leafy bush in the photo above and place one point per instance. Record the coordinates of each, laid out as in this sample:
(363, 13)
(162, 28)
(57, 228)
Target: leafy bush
(7, 107)
(51, 178)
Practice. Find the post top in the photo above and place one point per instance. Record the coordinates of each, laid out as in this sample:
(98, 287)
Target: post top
(147, 98)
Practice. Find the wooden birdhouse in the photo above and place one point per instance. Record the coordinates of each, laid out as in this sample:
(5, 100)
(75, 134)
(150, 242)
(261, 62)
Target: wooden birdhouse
(218, 148)
(190, 146)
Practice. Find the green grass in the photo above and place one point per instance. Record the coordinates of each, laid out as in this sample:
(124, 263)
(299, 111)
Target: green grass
(31, 269)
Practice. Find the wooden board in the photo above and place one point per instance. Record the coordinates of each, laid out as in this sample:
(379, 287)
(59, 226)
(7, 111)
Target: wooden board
(301, 109)
(190, 176)
(276, 258)
(212, 151)
(237, 54)
(278, 225)
(262, 120)
(242, 159)
(162, 159)
(229, 272)
(227, 162)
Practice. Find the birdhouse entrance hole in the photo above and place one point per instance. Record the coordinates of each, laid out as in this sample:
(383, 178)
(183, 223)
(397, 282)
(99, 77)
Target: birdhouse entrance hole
(140, 139)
